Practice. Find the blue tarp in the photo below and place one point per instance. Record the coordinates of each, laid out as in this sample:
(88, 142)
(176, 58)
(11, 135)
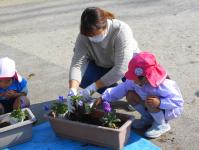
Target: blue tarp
(45, 139)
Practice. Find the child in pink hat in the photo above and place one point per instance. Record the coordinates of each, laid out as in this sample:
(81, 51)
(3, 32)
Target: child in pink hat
(13, 88)
(150, 91)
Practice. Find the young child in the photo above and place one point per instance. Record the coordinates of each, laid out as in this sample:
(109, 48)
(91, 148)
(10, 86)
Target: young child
(150, 91)
(13, 88)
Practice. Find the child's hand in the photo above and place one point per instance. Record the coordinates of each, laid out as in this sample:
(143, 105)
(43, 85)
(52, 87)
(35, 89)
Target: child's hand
(153, 101)
(11, 94)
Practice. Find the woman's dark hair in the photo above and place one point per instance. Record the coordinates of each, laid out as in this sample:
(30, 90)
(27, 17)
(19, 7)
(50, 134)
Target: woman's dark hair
(94, 20)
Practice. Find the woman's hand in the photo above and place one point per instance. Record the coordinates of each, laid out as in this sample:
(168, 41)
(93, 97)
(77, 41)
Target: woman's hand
(153, 101)
(71, 92)
(87, 92)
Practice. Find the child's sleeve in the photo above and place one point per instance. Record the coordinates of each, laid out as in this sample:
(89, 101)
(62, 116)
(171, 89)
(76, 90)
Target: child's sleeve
(118, 92)
(23, 88)
(170, 96)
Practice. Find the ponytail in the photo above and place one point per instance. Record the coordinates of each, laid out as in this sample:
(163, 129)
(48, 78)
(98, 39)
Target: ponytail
(108, 15)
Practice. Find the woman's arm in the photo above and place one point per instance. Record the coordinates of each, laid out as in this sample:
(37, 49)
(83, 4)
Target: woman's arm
(79, 63)
(99, 84)
(74, 84)
(125, 46)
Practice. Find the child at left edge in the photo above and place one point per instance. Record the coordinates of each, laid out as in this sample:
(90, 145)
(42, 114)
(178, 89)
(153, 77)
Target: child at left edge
(13, 87)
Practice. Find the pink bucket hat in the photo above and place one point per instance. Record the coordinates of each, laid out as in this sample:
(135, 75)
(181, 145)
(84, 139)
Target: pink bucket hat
(145, 64)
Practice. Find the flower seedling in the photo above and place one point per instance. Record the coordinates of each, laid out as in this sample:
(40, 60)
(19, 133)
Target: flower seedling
(17, 115)
(83, 111)
(81, 104)
(77, 100)
(110, 119)
(58, 109)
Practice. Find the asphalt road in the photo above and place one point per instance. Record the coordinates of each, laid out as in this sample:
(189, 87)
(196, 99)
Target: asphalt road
(40, 34)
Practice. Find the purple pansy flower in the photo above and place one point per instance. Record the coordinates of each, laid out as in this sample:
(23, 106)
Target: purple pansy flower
(106, 106)
(80, 103)
(61, 99)
(46, 107)
(81, 93)
(23, 104)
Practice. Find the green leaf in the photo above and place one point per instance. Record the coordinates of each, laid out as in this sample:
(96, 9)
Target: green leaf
(92, 92)
(19, 114)
(116, 120)
(110, 119)
(76, 98)
(87, 108)
(59, 108)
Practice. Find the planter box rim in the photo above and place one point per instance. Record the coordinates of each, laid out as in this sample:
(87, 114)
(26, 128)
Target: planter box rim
(14, 126)
(93, 134)
(129, 121)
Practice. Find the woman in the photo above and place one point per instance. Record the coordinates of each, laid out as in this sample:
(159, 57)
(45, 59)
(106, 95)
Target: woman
(102, 51)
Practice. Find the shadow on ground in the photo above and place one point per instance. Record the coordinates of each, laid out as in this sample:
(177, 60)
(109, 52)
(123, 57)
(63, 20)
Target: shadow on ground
(197, 93)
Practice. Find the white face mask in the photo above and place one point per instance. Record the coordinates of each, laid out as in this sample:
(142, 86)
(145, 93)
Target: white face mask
(98, 38)
(101, 37)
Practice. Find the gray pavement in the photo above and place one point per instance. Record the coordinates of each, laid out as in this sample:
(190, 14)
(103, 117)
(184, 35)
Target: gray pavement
(40, 34)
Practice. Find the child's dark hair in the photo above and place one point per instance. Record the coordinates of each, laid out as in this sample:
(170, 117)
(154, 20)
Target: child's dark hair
(143, 77)
(94, 19)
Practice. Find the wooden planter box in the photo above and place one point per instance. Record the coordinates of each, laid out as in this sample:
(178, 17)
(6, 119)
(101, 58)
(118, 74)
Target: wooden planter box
(16, 133)
(98, 135)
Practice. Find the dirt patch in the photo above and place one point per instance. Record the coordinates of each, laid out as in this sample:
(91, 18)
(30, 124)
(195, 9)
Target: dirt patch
(4, 124)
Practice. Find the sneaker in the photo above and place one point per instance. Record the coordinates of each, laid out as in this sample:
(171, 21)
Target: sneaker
(142, 123)
(157, 130)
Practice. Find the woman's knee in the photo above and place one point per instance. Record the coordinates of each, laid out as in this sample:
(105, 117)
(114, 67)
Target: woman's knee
(133, 98)
(21, 102)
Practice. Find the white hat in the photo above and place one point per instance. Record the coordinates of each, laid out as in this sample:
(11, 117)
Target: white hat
(7, 68)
